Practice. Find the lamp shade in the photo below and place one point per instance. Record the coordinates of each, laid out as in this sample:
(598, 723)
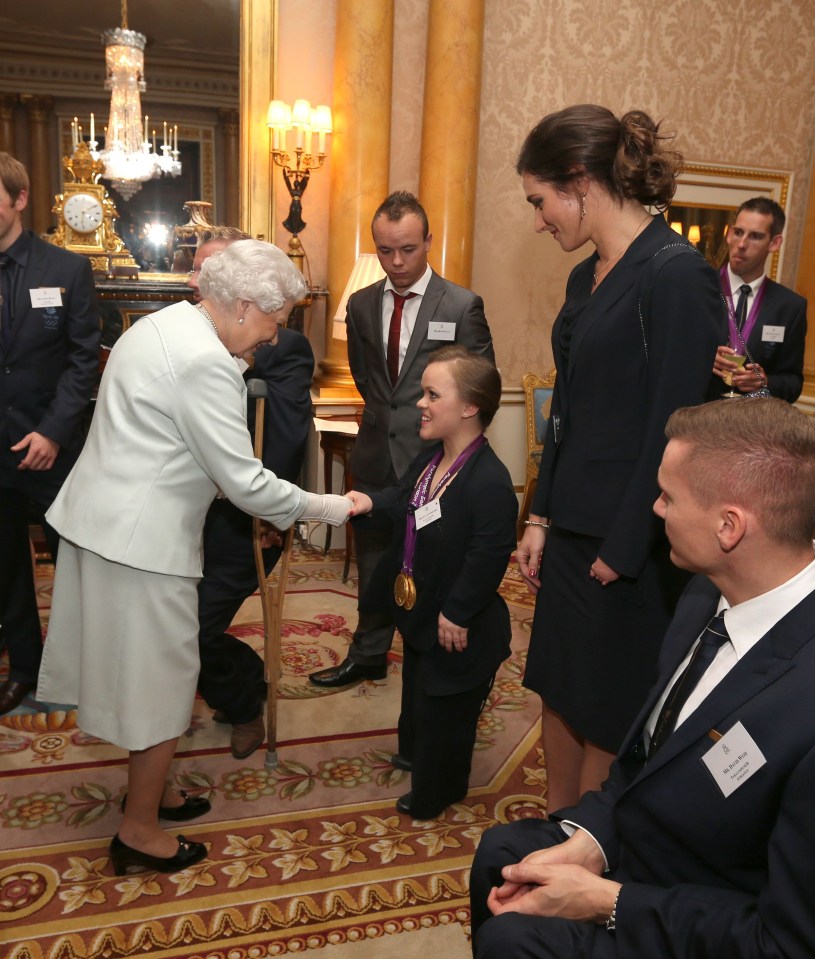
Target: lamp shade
(301, 114)
(279, 115)
(321, 120)
(367, 270)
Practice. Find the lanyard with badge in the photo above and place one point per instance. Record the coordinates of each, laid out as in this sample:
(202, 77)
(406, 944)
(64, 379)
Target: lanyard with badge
(423, 509)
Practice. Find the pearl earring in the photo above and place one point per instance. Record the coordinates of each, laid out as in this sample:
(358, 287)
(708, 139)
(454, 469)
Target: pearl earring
(241, 319)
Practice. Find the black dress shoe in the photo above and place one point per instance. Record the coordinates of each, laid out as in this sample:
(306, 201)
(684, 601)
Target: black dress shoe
(122, 857)
(191, 808)
(346, 674)
(399, 761)
(12, 694)
(404, 804)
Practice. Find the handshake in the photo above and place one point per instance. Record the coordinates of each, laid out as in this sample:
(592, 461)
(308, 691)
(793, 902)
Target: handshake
(334, 509)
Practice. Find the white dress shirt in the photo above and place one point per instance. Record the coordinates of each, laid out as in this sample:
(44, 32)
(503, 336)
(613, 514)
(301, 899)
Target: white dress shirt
(409, 312)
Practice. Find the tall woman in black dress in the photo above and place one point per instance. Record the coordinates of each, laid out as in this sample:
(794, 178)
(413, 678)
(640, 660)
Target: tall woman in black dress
(634, 340)
(458, 498)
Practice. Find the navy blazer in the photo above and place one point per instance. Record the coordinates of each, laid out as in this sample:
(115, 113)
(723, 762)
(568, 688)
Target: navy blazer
(703, 874)
(459, 563)
(643, 345)
(389, 432)
(51, 365)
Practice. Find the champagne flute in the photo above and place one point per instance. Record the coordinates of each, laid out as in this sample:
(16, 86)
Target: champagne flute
(738, 359)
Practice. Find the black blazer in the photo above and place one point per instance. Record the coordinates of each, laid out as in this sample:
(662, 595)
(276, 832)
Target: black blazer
(51, 365)
(622, 378)
(389, 432)
(287, 369)
(703, 874)
(782, 362)
(459, 563)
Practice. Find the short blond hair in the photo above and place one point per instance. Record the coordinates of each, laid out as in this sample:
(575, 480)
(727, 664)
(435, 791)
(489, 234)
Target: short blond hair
(757, 452)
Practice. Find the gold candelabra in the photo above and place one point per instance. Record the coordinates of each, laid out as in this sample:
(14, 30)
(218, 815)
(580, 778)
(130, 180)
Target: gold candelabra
(298, 165)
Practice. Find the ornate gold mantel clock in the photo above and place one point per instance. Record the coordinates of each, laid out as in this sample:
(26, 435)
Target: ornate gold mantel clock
(85, 214)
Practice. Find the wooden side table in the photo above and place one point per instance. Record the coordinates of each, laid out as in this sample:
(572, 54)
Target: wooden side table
(338, 445)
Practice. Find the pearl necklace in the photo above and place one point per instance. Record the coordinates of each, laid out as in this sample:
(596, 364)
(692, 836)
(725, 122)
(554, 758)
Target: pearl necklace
(596, 276)
(206, 313)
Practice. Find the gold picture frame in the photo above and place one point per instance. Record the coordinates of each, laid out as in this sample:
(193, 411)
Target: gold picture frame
(708, 195)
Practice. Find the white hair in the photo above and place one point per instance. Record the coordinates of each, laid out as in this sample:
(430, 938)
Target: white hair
(251, 270)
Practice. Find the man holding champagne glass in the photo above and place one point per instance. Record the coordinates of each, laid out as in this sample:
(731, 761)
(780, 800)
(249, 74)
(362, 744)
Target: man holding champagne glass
(766, 320)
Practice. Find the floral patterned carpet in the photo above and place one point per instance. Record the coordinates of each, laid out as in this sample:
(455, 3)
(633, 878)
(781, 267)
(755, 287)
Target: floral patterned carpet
(308, 854)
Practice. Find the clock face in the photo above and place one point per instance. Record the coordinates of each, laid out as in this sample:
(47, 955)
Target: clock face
(83, 212)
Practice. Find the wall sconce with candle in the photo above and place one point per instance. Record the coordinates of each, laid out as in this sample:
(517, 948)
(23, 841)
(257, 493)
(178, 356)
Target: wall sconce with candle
(306, 122)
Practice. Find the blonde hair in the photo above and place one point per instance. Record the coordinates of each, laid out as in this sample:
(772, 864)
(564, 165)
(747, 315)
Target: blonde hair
(757, 452)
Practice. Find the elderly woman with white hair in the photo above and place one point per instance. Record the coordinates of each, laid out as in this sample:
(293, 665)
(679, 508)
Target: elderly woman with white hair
(169, 433)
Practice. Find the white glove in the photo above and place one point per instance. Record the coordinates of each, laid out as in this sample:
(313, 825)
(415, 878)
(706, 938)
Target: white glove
(326, 508)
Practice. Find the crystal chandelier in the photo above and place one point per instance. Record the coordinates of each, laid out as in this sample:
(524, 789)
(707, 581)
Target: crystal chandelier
(128, 158)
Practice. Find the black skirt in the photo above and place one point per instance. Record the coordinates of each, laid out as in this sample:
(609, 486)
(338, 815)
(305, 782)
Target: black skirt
(593, 650)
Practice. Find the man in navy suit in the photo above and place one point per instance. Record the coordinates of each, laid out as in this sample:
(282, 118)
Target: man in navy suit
(49, 361)
(393, 326)
(701, 841)
(231, 678)
(768, 318)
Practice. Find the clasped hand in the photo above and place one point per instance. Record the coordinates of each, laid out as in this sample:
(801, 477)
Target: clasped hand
(746, 378)
(563, 881)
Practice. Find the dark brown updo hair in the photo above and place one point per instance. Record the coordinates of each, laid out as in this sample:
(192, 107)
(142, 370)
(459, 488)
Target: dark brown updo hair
(477, 379)
(625, 155)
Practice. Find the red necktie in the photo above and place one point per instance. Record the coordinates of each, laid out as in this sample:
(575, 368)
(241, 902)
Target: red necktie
(395, 334)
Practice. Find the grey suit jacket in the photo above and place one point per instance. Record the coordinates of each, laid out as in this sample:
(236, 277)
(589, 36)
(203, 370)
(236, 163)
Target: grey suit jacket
(388, 438)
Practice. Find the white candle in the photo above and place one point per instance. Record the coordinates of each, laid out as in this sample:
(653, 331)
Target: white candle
(93, 129)
(74, 126)
(321, 138)
(165, 134)
(154, 141)
(299, 137)
(146, 135)
(175, 137)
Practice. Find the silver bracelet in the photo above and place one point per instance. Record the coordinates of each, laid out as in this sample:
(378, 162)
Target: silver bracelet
(532, 522)
(611, 922)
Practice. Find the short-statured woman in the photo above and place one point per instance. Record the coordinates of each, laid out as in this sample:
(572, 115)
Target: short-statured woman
(633, 341)
(168, 434)
(455, 513)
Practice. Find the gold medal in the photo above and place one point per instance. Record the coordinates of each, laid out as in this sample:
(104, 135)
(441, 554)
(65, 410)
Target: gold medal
(404, 591)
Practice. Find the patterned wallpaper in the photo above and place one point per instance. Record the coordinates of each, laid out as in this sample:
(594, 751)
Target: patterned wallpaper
(734, 81)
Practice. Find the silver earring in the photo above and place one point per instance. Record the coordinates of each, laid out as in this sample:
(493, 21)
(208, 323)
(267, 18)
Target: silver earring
(582, 205)
(241, 319)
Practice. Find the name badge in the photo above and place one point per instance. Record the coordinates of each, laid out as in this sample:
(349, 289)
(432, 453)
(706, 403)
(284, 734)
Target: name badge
(441, 331)
(734, 759)
(43, 296)
(772, 334)
(428, 513)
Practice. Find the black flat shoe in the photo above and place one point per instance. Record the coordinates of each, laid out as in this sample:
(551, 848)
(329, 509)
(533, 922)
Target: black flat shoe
(399, 761)
(192, 808)
(122, 857)
(346, 674)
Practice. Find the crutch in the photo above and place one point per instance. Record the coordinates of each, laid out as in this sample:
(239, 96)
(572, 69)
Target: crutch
(272, 590)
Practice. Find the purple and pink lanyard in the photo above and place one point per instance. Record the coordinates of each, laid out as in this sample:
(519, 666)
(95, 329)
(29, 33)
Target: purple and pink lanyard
(421, 496)
(735, 342)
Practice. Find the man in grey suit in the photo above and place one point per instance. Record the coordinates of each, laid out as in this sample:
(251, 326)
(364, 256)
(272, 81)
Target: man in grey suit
(393, 326)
